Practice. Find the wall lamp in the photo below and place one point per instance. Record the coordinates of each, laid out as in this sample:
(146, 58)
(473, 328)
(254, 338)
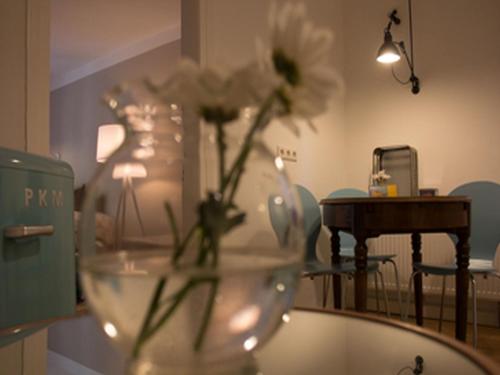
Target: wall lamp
(391, 51)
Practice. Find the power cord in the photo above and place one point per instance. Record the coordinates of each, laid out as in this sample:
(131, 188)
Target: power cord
(419, 366)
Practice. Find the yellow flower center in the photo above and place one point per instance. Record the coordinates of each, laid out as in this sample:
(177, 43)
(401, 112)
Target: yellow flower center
(286, 67)
(218, 114)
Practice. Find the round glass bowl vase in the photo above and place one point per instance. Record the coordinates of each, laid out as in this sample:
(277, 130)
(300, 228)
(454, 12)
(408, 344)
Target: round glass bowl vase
(166, 310)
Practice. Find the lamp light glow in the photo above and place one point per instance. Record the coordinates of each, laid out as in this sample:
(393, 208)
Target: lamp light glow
(388, 54)
(109, 138)
(245, 319)
(129, 170)
(110, 330)
(286, 318)
(250, 343)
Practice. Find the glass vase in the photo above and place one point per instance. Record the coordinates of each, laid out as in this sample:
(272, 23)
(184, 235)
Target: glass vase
(189, 311)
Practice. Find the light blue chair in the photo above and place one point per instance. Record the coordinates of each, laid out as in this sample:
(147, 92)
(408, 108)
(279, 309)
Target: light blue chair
(484, 239)
(347, 243)
(313, 267)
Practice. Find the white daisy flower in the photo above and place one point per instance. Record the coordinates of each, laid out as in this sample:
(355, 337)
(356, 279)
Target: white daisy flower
(213, 96)
(298, 55)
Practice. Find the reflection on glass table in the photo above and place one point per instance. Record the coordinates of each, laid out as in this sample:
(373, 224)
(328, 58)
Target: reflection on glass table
(321, 343)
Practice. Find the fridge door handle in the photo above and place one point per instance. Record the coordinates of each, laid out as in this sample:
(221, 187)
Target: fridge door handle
(24, 231)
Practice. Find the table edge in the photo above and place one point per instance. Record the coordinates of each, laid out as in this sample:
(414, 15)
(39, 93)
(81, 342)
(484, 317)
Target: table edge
(80, 310)
(365, 200)
(479, 359)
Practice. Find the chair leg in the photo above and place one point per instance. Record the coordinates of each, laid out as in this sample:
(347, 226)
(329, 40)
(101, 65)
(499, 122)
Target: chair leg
(441, 308)
(376, 291)
(474, 311)
(398, 287)
(408, 298)
(384, 291)
(325, 283)
(328, 284)
(344, 291)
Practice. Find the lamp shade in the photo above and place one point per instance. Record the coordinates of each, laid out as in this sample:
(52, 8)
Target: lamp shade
(129, 170)
(388, 53)
(109, 138)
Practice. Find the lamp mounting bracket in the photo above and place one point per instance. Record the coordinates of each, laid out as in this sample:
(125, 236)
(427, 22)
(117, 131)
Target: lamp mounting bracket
(394, 19)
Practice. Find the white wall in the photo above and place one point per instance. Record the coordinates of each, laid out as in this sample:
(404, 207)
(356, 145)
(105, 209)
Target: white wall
(227, 38)
(454, 121)
(229, 33)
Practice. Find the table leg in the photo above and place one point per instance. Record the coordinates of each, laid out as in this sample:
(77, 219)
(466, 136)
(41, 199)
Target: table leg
(360, 278)
(416, 244)
(462, 286)
(336, 279)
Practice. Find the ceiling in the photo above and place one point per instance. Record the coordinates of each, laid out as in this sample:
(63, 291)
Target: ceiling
(90, 35)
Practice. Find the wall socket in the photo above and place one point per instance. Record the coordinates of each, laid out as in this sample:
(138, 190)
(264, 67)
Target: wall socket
(286, 153)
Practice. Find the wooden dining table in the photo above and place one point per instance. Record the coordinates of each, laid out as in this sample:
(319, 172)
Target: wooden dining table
(371, 217)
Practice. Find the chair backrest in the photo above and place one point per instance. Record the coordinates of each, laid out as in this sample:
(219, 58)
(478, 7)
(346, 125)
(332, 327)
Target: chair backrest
(347, 240)
(485, 217)
(311, 221)
(280, 220)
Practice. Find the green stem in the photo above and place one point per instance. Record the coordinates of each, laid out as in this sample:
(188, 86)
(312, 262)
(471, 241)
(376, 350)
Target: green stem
(173, 225)
(221, 147)
(203, 249)
(208, 314)
(153, 306)
(182, 247)
(209, 242)
(177, 300)
(179, 297)
(215, 252)
(237, 169)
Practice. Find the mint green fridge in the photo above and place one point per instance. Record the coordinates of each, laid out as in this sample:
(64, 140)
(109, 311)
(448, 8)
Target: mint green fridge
(37, 261)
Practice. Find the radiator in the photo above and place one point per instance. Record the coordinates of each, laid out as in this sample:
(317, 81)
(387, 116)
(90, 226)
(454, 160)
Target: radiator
(436, 249)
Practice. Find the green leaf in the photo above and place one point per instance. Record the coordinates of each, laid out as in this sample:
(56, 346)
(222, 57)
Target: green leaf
(234, 221)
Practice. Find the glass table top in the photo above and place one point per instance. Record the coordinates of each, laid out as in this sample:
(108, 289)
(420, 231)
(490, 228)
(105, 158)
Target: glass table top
(321, 343)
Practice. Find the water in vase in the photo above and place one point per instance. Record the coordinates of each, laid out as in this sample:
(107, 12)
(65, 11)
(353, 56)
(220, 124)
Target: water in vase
(252, 294)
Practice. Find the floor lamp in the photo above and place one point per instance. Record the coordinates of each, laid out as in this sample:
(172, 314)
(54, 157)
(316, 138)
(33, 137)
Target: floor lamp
(109, 138)
(127, 172)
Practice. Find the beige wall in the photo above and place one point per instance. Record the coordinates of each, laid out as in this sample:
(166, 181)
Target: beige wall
(77, 109)
(24, 110)
(24, 73)
(76, 112)
(13, 73)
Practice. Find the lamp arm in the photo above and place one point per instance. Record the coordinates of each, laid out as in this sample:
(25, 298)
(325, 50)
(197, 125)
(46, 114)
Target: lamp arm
(397, 78)
(401, 46)
(413, 79)
(415, 82)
